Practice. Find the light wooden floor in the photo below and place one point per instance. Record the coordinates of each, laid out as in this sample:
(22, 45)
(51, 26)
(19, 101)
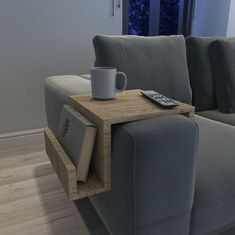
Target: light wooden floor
(33, 202)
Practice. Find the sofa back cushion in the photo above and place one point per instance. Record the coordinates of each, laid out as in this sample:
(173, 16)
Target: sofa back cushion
(201, 73)
(223, 62)
(156, 63)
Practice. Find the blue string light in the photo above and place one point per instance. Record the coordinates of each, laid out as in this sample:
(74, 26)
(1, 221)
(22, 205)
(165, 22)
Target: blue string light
(169, 17)
(138, 23)
(138, 17)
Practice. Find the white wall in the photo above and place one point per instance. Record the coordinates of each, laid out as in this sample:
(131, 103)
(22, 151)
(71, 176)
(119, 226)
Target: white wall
(211, 17)
(231, 23)
(40, 38)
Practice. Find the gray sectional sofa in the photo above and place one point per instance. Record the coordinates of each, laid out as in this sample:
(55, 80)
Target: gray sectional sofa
(203, 75)
(170, 175)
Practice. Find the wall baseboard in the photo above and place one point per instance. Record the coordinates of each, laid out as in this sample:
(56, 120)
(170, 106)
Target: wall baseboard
(21, 138)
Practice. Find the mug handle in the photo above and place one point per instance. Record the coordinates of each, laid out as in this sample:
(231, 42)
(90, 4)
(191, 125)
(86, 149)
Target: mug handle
(125, 81)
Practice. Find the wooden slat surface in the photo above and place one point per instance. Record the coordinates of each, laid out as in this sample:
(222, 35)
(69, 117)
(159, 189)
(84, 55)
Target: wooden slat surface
(128, 106)
(63, 166)
(66, 171)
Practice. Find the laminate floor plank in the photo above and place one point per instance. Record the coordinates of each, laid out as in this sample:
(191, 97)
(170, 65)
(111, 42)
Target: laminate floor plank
(65, 222)
(22, 173)
(17, 151)
(29, 188)
(33, 202)
(22, 160)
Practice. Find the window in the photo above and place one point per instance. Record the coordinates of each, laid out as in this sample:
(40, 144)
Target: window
(138, 13)
(157, 17)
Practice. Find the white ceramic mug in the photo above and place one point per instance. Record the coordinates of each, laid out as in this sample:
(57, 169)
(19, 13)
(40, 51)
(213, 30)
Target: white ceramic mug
(103, 82)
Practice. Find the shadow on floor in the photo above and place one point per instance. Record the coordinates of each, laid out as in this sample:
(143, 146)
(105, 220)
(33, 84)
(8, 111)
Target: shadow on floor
(90, 217)
(61, 214)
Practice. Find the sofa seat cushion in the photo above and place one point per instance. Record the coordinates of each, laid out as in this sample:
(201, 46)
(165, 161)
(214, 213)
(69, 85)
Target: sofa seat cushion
(57, 91)
(227, 118)
(151, 63)
(200, 72)
(214, 199)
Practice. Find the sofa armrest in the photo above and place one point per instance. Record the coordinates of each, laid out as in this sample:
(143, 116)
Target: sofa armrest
(153, 177)
(86, 76)
(57, 91)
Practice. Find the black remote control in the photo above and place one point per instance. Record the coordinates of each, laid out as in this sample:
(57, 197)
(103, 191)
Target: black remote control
(159, 99)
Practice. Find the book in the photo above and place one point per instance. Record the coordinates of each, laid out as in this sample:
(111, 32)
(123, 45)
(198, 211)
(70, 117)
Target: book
(77, 137)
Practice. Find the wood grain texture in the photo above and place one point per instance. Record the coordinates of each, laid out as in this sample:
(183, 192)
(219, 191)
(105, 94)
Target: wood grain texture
(63, 166)
(66, 171)
(128, 106)
(32, 200)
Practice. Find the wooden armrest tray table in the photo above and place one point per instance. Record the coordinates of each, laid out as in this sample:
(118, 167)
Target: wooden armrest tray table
(128, 106)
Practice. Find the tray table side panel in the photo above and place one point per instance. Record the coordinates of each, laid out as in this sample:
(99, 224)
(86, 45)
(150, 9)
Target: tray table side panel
(61, 163)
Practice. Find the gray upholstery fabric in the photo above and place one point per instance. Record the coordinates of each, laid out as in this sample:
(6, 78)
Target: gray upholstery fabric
(214, 200)
(223, 61)
(226, 230)
(229, 232)
(157, 63)
(228, 118)
(200, 72)
(152, 183)
(57, 91)
(153, 191)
